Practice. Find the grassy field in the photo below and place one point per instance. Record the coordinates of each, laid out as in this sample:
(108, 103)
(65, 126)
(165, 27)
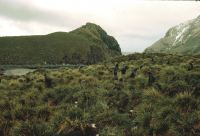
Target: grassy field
(68, 101)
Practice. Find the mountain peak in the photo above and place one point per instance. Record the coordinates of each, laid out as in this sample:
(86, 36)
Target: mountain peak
(183, 38)
(95, 32)
(92, 27)
(91, 24)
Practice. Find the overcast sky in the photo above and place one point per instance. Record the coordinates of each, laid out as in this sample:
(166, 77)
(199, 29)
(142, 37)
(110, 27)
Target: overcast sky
(135, 24)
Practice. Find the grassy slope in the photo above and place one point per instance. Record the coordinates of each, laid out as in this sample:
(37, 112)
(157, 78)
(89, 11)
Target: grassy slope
(53, 48)
(192, 46)
(32, 105)
(30, 49)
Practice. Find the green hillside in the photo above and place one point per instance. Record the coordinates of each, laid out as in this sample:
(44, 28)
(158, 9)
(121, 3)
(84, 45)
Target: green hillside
(181, 39)
(68, 101)
(87, 45)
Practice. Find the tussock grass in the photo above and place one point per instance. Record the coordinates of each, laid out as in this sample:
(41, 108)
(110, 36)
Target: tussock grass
(79, 97)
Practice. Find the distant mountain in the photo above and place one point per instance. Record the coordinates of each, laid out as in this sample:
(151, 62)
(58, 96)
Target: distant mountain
(181, 39)
(86, 45)
(127, 53)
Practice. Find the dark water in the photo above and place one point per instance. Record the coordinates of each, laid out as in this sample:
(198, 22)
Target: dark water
(17, 71)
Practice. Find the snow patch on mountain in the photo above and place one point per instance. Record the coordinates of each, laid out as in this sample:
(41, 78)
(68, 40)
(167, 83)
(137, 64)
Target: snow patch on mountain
(181, 31)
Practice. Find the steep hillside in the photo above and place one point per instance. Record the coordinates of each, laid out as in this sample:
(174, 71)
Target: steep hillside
(87, 45)
(182, 39)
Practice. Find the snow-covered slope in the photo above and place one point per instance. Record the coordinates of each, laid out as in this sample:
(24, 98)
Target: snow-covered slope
(183, 39)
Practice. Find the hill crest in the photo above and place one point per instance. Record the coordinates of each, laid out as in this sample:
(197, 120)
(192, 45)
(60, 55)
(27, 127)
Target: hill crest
(88, 44)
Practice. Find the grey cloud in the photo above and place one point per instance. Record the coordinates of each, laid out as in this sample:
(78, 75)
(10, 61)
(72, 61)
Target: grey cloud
(22, 12)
